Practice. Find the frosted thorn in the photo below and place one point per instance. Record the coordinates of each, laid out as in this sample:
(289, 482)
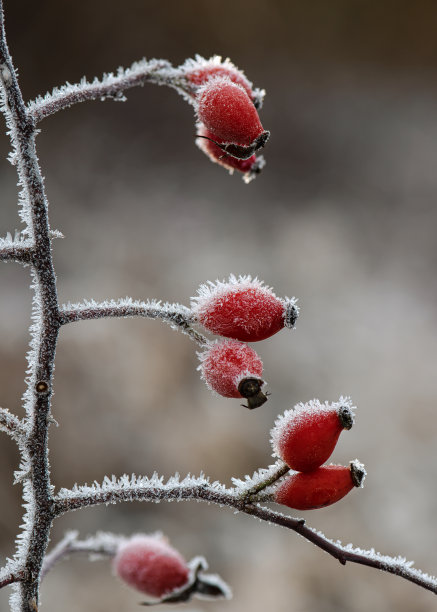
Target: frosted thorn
(250, 388)
(301, 522)
(42, 387)
(52, 421)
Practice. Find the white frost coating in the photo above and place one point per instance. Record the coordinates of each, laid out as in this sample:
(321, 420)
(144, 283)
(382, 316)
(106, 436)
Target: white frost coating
(24, 207)
(294, 415)
(6, 75)
(129, 488)
(19, 240)
(150, 308)
(214, 290)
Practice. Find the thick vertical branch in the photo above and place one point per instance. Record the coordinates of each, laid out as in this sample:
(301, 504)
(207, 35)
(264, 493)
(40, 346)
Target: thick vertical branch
(37, 489)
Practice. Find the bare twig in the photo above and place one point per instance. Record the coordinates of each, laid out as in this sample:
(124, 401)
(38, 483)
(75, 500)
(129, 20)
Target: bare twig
(178, 316)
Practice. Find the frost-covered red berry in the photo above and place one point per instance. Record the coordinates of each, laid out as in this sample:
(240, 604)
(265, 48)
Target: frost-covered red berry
(322, 487)
(305, 436)
(150, 565)
(233, 369)
(250, 167)
(227, 111)
(243, 309)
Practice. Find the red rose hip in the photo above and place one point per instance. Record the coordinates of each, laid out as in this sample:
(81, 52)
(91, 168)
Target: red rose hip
(304, 437)
(322, 487)
(243, 309)
(150, 565)
(233, 369)
(226, 110)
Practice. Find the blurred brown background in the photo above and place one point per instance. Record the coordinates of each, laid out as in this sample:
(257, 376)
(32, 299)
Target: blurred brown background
(343, 217)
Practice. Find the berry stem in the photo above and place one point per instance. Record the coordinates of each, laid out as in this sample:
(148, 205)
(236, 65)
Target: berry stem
(102, 544)
(176, 315)
(280, 471)
(160, 72)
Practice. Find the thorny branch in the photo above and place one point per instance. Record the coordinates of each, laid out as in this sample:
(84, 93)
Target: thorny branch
(34, 249)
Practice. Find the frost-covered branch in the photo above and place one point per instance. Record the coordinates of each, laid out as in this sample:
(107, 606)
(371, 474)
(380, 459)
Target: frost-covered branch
(178, 316)
(15, 250)
(201, 489)
(32, 542)
(111, 86)
(9, 575)
(12, 425)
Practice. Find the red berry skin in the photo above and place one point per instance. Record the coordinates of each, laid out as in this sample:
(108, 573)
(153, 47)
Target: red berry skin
(250, 167)
(305, 436)
(243, 309)
(227, 111)
(233, 369)
(322, 487)
(150, 565)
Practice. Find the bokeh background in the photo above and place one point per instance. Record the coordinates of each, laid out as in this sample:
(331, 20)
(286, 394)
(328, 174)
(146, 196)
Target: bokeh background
(343, 217)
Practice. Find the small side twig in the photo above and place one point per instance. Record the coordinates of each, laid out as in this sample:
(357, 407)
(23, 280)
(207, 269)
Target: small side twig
(7, 577)
(20, 251)
(280, 469)
(12, 425)
(100, 545)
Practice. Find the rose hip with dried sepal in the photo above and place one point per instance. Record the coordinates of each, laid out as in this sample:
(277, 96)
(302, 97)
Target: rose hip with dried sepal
(244, 309)
(319, 488)
(149, 564)
(226, 110)
(207, 142)
(305, 436)
(233, 369)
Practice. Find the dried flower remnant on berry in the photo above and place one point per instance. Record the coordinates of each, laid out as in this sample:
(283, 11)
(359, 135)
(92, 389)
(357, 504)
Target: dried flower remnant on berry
(250, 167)
(320, 488)
(233, 369)
(150, 565)
(305, 436)
(242, 308)
(226, 110)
